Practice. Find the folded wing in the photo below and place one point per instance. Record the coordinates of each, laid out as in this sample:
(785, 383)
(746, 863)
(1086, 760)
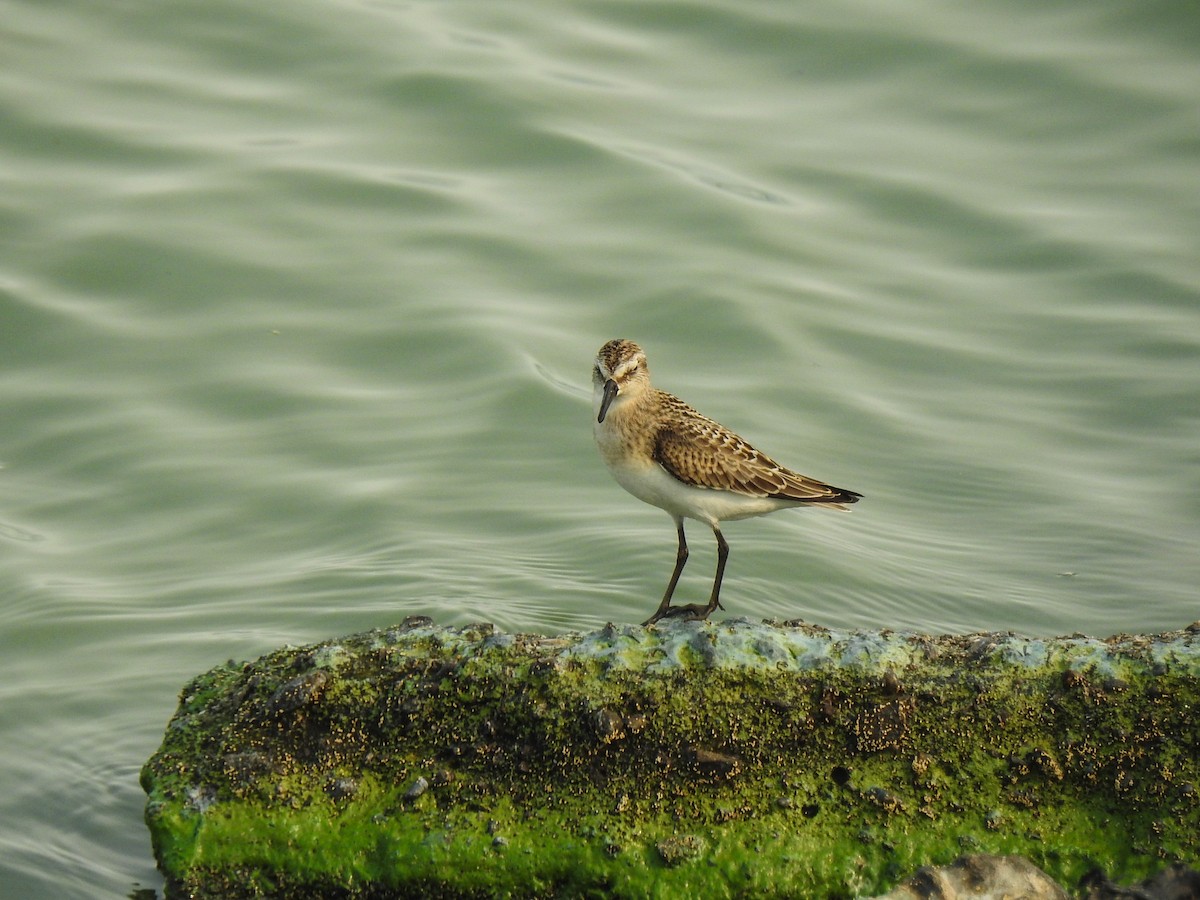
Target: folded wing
(702, 453)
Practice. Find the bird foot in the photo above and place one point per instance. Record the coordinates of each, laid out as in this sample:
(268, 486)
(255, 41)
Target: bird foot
(691, 612)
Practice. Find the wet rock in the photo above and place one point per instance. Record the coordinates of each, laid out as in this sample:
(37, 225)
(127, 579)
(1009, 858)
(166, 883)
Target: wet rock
(609, 725)
(884, 799)
(418, 787)
(635, 722)
(782, 748)
(303, 690)
(711, 762)
(247, 766)
(200, 797)
(1177, 882)
(342, 788)
(680, 848)
(704, 648)
(980, 877)
(1046, 763)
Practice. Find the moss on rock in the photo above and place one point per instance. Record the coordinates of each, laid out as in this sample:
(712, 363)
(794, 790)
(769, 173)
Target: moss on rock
(716, 759)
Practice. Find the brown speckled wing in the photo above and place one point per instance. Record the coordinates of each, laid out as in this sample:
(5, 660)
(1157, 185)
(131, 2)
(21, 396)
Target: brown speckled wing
(703, 453)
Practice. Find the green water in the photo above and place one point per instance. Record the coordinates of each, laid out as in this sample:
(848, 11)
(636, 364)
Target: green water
(298, 304)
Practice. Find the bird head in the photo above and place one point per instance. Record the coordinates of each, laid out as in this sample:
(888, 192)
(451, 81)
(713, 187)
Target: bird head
(620, 372)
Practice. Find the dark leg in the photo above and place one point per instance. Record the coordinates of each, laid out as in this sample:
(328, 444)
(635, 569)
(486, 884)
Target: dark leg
(680, 558)
(714, 602)
(695, 610)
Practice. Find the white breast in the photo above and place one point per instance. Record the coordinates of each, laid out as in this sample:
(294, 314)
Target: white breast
(651, 483)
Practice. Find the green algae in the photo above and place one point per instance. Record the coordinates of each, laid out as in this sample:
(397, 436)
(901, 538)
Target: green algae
(719, 760)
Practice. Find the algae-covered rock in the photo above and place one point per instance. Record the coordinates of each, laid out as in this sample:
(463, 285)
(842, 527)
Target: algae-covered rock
(691, 758)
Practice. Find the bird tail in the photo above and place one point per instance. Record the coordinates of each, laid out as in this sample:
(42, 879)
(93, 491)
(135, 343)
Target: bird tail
(839, 499)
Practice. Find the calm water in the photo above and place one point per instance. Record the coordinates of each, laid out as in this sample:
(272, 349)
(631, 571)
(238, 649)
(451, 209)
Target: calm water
(298, 304)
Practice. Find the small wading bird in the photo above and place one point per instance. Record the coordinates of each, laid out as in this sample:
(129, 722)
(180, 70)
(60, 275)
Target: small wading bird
(664, 452)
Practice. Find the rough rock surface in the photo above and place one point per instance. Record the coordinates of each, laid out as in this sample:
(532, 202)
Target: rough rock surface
(986, 877)
(1176, 882)
(980, 877)
(698, 758)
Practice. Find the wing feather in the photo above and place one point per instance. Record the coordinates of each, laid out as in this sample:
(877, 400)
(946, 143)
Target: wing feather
(703, 453)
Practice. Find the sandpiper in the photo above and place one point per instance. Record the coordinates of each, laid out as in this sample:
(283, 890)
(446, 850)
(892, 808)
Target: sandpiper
(664, 452)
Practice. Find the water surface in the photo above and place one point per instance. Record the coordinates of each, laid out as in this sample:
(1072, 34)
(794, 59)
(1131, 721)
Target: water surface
(299, 303)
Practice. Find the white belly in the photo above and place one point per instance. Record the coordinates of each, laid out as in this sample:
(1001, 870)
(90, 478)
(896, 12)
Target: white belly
(654, 485)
